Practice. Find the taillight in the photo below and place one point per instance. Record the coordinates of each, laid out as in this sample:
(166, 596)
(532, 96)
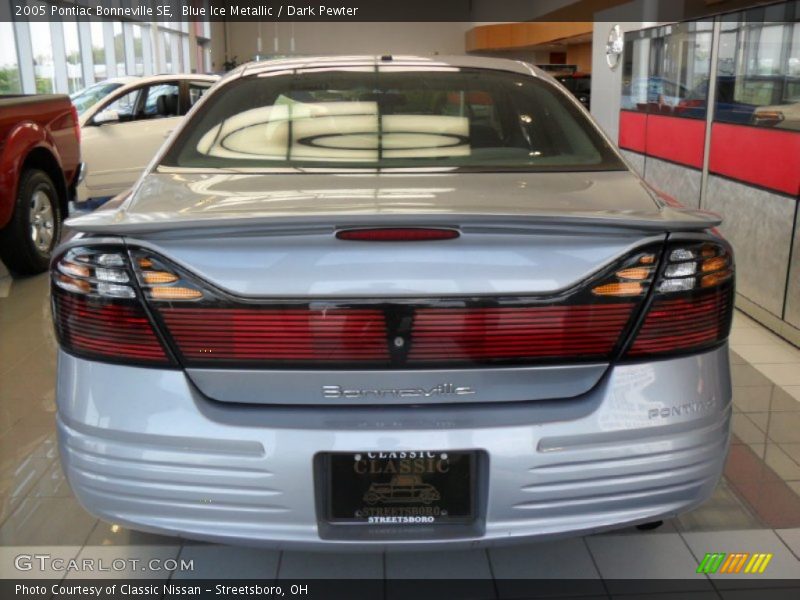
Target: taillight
(632, 280)
(209, 327)
(109, 302)
(76, 126)
(160, 281)
(97, 310)
(692, 304)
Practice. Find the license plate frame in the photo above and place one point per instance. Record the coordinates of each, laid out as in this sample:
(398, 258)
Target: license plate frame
(355, 494)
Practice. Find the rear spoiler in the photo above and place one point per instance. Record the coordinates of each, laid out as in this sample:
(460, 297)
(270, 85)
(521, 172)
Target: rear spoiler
(665, 219)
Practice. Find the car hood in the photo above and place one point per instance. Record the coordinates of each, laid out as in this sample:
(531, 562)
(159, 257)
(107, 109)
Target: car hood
(164, 201)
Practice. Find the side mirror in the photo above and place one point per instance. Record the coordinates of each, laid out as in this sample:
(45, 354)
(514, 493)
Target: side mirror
(106, 116)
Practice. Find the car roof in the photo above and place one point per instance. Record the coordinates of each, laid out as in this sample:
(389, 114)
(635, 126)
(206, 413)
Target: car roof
(124, 79)
(139, 81)
(420, 61)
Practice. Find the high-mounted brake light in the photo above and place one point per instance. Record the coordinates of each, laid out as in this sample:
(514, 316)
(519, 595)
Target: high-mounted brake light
(397, 234)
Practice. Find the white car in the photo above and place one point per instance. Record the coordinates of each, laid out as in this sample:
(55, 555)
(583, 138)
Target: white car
(121, 133)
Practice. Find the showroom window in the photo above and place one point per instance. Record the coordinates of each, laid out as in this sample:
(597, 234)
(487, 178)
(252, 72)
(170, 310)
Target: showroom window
(119, 49)
(758, 73)
(72, 49)
(9, 65)
(43, 66)
(138, 50)
(666, 70)
(98, 51)
(167, 52)
(635, 70)
(55, 52)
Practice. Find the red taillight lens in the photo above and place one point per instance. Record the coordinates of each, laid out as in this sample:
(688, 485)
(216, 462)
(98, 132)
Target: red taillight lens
(274, 335)
(548, 332)
(684, 324)
(692, 307)
(210, 328)
(107, 329)
(397, 234)
(96, 309)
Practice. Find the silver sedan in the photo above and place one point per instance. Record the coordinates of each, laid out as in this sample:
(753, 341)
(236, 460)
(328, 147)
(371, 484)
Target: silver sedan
(391, 301)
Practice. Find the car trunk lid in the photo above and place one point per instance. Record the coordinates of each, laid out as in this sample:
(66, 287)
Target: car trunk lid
(293, 315)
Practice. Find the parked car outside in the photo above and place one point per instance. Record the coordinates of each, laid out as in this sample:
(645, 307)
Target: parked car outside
(87, 97)
(779, 116)
(657, 94)
(39, 169)
(727, 108)
(579, 85)
(123, 132)
(339, 277)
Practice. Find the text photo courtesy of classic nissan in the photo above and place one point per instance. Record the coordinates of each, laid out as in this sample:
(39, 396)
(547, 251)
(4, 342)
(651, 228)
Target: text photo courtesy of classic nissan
(391, 301)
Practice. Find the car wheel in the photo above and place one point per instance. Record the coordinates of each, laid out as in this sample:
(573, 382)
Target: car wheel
(27, 241)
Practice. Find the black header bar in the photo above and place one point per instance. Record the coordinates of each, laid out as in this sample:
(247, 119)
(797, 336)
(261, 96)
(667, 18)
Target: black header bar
(473, 11)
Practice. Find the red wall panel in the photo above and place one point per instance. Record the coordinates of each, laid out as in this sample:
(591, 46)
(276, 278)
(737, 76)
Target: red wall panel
(676, 139)
(633, 131)
(764, 157)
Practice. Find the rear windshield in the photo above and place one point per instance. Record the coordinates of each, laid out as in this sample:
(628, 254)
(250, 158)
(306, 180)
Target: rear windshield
(391, 117)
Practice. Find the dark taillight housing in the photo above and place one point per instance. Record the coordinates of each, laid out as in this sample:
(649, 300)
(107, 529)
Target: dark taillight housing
(209, 328)
(97, 310)
(692, 304)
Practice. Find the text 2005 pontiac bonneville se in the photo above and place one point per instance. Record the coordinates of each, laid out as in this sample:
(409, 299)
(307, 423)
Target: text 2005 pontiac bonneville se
(391, 301)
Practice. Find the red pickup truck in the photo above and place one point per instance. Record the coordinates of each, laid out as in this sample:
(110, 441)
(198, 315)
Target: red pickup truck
(39, 169)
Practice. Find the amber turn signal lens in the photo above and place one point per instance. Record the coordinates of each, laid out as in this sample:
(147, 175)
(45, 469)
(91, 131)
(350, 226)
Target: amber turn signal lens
(714, 264)
(715, 279)
(71, 268)
(157, 277)
(649, 259)
(708, 252)
(80, 286)
(145, 263)
(175, 293)
(619, 289)
(636, 273)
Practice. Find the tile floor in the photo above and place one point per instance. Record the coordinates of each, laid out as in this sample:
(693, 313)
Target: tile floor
(755, 508)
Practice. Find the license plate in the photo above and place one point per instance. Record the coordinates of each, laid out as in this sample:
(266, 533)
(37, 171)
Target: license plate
(401, 488)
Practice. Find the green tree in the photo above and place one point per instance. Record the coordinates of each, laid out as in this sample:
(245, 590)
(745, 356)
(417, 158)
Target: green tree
(9, 80)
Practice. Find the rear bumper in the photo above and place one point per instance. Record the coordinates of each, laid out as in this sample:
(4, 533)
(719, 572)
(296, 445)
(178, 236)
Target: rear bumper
(141, 447)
